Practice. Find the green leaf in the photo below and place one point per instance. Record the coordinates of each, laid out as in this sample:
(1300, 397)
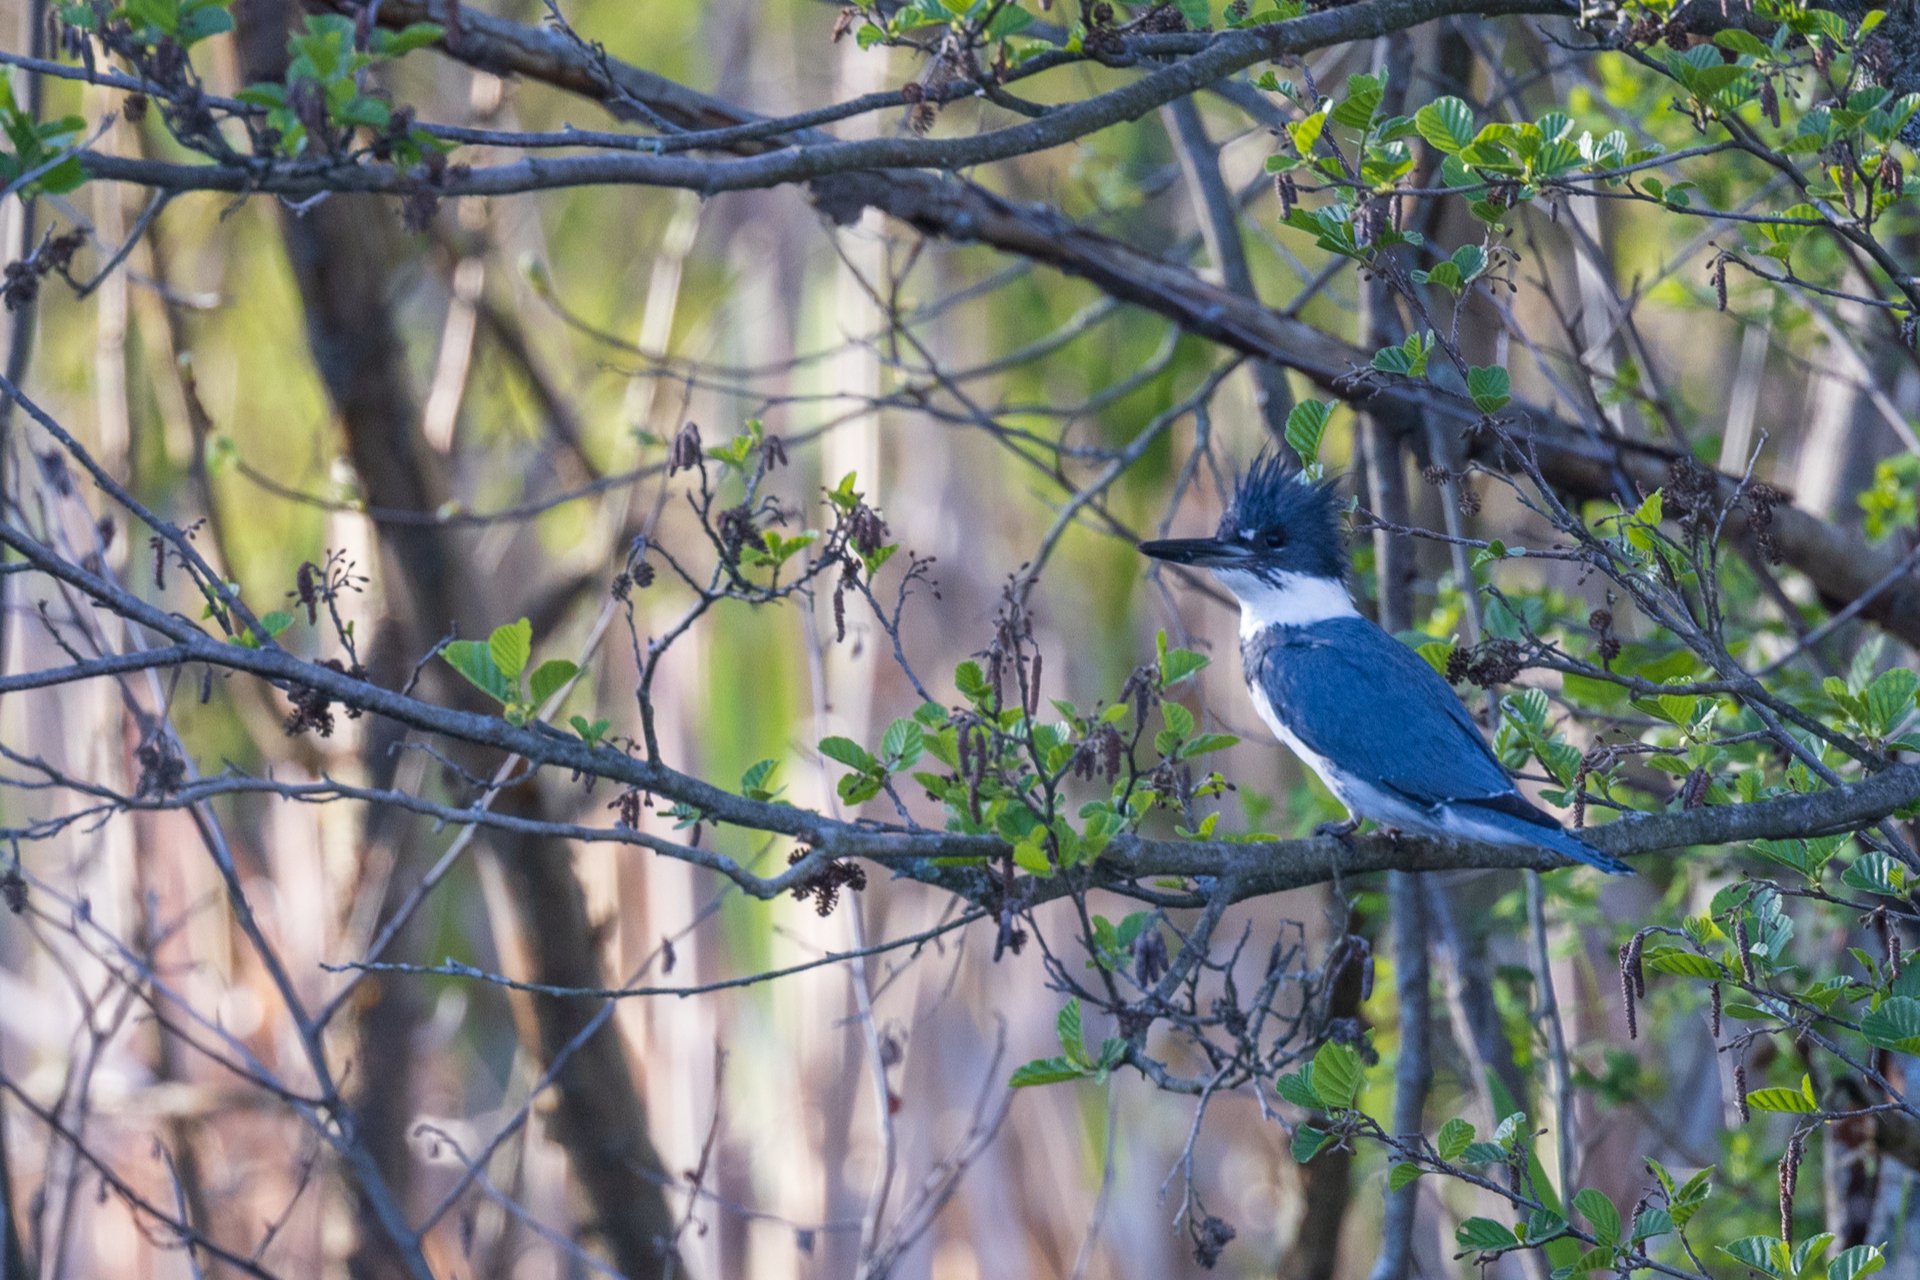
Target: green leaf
(1446, 124)
(1436, 653)
(160, 15)
(1598, 1258)
(415, 35)
(1306, 133)
(971, 681)
(1588, 692)
(1337, 1071)
(266, 94)
(1409, 359)
(201, 23)
(1444, 274)
(549, 678)
(474, 660)
(1894, 1025)
(1861, 1260)
(1807, 1250)
(1682, 963)
(365, 111)
(1756, 1252)
(1009, 21)
(1741, 42)
(1544, 1225)
(1382, 166)
(1308, 1142)
(1889, 699)
(1691, 1196)
(1402, 1176)
(858, 788)
(849, 753)
(1786, 1100)
(1363, 99)
(1645, 520)
(1456, 1135)
(1470, 260)
(1177, 664)
(1601, 1215)
(902, 743)
(1651, 1222)
(511, 645)
(1179, 720)
(1073, 1036)
(1876, 872)
(1306, 427)
(1483, 1234)
(1045, 1071)
(1298, 1089)
(754, 783)
(1030, 856)
(1490, 388)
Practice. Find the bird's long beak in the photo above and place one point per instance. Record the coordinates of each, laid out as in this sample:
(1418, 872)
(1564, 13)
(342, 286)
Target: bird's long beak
(1200, 552)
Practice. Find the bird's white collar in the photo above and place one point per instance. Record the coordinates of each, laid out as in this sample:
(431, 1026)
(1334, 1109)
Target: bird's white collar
(1296, 600)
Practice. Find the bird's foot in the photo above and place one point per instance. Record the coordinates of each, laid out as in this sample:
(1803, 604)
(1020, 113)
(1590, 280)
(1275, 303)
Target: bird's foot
(1392, 834)
(1338, 830)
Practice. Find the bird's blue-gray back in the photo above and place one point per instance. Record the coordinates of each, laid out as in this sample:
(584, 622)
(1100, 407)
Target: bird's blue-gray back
(1373, 707)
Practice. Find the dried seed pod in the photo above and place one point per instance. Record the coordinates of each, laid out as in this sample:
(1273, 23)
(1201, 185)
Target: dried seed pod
(684, 454)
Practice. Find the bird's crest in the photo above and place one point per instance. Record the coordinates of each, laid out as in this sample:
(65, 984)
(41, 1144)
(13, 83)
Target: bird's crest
(1274, 491)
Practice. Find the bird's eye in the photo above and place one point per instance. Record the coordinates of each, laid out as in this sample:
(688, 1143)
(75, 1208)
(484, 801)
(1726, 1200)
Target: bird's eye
(1274, 539)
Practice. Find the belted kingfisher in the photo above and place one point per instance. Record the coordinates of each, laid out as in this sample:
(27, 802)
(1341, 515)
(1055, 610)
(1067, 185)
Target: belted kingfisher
(1365, 712)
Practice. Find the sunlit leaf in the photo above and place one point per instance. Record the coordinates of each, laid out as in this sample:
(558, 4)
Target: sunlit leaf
(511, 645)
(1484, 1234)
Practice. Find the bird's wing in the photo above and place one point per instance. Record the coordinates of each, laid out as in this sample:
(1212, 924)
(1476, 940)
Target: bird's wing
(1374, 708)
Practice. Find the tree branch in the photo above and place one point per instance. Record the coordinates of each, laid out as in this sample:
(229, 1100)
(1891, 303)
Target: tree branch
(1244, 869)
(1840, 562)
(1228, 53)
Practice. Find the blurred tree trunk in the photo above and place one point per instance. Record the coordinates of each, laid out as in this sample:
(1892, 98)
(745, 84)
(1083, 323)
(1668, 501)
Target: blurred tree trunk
(1395, 571)
(1864, 1195)
(340, 253)
(1456, 906)
(13, 1255)
(1327, 1180)
(1841, 445)
(1218, 218)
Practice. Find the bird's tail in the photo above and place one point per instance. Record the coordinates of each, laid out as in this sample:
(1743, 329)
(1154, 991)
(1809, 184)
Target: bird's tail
(1560, 840)
(1546, 834)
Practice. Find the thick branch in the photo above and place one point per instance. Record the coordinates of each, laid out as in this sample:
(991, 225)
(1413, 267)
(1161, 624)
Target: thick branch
(1227, 54)
(1839, 561)
(1244, 869)
(1290, 864)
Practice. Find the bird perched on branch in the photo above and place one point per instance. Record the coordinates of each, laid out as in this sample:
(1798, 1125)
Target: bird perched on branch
(1366, 713)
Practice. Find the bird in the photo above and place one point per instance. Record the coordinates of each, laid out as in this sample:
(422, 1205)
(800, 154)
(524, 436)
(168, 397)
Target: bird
(1366, 713)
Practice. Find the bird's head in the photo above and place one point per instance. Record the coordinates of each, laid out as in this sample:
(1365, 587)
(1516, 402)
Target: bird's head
(1279, 547)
